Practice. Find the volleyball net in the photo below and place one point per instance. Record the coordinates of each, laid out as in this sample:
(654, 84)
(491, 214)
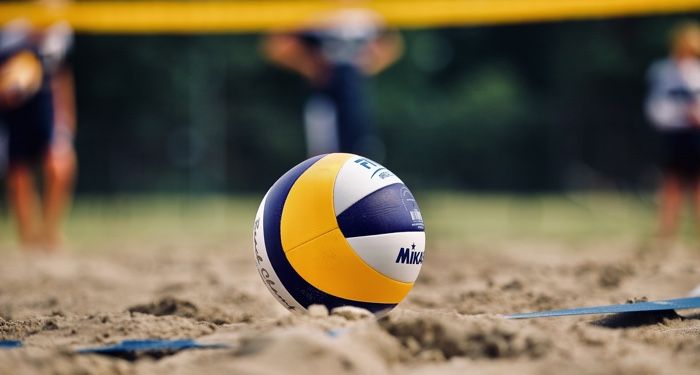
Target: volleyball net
(187, 17)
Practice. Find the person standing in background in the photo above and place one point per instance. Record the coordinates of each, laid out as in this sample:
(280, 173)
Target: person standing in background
(37, 107)
(336, 54)
(673, 107)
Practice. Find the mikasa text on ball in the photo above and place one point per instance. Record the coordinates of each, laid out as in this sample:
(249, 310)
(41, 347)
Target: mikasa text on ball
(339, 230)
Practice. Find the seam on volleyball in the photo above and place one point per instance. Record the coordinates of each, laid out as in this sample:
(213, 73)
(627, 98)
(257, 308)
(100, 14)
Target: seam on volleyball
(355, 253)
(361, 198)
(384, 234)
(332, 206)
(307, 241)
(335, 181)
(370, 266)
(272, 271)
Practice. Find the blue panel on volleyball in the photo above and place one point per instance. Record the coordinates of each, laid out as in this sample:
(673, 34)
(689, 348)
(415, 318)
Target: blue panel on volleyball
(129, 348)
(10, 344)
(666, 305)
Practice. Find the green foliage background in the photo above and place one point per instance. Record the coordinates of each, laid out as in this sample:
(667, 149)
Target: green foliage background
(537, 107)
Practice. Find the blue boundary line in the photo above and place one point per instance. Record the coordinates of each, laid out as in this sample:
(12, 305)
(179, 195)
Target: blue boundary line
(10, 344)
(664, 305)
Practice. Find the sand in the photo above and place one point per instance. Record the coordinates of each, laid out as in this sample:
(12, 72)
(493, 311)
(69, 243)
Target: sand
(449, 324)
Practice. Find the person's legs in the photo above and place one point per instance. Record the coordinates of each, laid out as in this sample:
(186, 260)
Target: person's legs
(671, 202)
(355, 128)
(321, 126)
(59, 173)
(24, 201)
(30, 129)
(696, 198)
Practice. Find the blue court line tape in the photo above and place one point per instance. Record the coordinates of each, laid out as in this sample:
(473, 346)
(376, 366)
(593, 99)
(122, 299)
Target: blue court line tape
(665, 305)
(10, 344)
(336, 332)
(143, 346)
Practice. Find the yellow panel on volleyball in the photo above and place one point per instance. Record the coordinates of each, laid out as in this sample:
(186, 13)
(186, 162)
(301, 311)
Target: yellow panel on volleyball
(308, 211)
(329, 263)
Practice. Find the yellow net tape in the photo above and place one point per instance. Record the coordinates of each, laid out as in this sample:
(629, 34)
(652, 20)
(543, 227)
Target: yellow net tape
(254, 16)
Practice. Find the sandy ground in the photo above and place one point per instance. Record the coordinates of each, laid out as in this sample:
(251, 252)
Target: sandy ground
(448, 324)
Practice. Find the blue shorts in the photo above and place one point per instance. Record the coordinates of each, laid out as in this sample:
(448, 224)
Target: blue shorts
(346, 90)
(29, 128)
(681, 153)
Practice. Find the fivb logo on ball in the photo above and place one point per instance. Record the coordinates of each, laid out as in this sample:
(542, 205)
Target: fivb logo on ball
(337, 230)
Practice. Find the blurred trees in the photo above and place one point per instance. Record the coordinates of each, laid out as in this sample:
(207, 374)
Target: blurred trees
(538, 107)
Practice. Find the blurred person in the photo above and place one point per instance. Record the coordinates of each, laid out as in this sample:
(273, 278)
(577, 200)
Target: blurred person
(38, 111)
(336, 53)
(673, 107)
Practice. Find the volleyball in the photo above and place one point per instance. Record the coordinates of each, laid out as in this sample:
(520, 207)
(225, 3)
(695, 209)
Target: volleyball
(20, 79)
(339, 230)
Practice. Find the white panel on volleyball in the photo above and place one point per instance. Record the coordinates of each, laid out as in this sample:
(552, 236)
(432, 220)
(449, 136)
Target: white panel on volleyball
(265, 269)
(357, 178)
(398, 256)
